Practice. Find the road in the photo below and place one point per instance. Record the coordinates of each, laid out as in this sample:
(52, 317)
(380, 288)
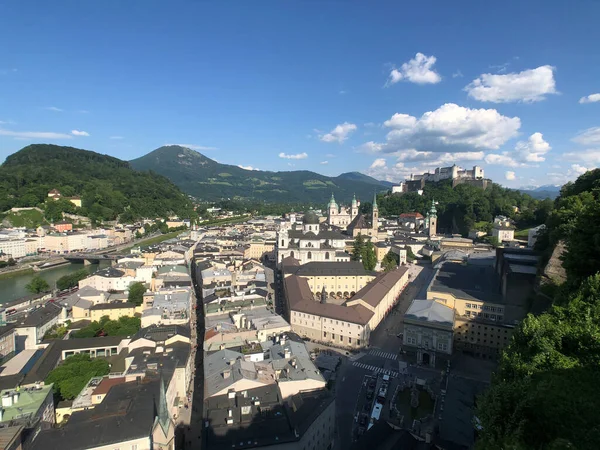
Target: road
(383, 356)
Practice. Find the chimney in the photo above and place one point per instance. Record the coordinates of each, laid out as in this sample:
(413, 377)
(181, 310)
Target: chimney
(286, 353)
(226, 374)
(229, 413)
(15, 397)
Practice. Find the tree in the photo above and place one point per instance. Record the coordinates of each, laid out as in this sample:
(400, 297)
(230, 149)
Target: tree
(358, 248)
(390, 261)
(72, 279)
(11, 262)
(72, 375)
(410, 256)
(369, 258)
(136, 293)
(37, 285)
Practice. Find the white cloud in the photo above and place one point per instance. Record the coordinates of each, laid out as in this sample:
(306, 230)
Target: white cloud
(400, 121)
(532, 150)
(330, 155)
(116, 138)
(450, 128)
(379, 162)
(527, 86)
(296, 156)
(198, 148)
(247, 167)
(510, 176)
(591, 136)
(324, 162)
(35, 135)
(79, 133)
(457, 74)
(53, 108)
(418, 70)
(563, 176)
(340, 133)
(589, 156)
(592, 98)
(501, 160)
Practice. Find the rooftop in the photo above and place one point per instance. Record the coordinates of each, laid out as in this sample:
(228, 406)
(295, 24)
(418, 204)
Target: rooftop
(26, 403)
(112, 305)
(377, 289)
(332, 268)
(431, 312)
(469, 282)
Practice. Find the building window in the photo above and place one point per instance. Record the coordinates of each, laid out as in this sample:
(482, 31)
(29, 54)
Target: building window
(332, 336)
(349, 340)
(468, 305)
(442, 346)
(325, 334)
(309, 256)
(326, 255)
(358, 342)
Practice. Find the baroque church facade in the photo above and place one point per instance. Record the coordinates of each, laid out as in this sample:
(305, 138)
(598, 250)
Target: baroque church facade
(340, 216)
(311, 243)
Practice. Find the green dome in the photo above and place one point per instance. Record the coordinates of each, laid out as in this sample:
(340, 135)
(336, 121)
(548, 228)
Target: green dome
(310, 218)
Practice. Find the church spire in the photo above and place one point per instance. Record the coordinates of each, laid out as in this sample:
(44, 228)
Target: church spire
(354, 199)
(163, 410)
(375, 201)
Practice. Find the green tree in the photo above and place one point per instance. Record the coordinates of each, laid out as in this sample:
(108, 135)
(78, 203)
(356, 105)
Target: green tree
(358, 248)
(71, 280)
(410, 256)
(11, 262)
(136, 293)
(72, 375)
(369, 258)
(37, 285)
(390, 261)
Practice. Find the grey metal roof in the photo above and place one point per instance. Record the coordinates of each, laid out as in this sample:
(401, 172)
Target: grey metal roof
(332, 268)
(430, 311)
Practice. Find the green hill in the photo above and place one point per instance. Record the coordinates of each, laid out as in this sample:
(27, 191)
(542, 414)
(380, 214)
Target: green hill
(109, 188)
(207, 179)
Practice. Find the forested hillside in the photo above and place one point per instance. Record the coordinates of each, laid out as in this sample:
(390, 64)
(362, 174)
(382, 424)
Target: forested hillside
(209, 180)
(460, 208)
(545, 393)
(109, 188)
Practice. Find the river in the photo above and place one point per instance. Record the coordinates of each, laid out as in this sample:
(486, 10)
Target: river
(14, 287)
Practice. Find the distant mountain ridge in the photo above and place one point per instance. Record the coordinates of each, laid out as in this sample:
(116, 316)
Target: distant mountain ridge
(206, 179)
(541, 192)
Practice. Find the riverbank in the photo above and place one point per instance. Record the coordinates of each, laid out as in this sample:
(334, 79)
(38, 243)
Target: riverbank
(154, 240)
(16, 272)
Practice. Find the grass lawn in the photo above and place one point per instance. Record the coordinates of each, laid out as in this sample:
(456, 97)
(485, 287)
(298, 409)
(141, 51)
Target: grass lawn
(28, 219)
(522, 234)
(425, 404)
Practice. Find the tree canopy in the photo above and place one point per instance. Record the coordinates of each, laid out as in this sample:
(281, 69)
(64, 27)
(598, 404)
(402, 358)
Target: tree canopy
(72, 375)
(390, 261)
(108, 187)
(544, 394)
(72, 279)
(364, 251)
(124, 326)
(460, 208)
(136, 293)
(37, 285)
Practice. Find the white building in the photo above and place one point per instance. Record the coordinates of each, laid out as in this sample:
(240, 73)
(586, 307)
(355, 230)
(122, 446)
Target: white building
(503, 229)
(428, 329)
(310, 243)
(340, 216)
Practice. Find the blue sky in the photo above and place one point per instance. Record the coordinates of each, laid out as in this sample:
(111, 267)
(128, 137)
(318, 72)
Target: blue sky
(385, 88)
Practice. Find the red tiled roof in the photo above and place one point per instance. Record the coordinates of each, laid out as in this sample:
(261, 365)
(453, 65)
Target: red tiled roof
(416, 215)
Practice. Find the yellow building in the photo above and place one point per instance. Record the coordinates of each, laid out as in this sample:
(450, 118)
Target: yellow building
(485, 319)
(340, 279)
(112, 310)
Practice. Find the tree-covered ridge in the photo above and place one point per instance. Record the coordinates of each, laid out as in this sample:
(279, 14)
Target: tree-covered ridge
(108, 187)
(209, 180)
(545, 392)
(461, 207)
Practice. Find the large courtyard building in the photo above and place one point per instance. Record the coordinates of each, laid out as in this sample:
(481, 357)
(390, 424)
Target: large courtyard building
(339, 321)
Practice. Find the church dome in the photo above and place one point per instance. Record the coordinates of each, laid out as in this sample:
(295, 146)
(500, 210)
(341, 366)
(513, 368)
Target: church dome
(310, 218)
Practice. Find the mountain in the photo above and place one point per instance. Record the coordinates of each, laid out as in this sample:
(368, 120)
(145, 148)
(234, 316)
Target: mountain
(108, 186)
(550, 191)
(209, 180)
(357, 176)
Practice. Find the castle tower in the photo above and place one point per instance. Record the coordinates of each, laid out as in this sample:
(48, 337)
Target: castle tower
(375, 224)
(432, 219)
(354, 209)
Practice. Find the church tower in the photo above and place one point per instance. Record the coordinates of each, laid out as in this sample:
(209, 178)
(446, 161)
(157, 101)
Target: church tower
(375, 224)
(332, 208)
(432, 219)
(354, 209)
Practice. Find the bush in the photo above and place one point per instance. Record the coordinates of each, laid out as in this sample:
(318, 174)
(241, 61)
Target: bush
(72, 375)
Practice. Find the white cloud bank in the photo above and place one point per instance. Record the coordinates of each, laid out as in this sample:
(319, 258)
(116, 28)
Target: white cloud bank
(79, 133)
(526, 153)
(527, 86)
(510, 176)
(35, 135)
